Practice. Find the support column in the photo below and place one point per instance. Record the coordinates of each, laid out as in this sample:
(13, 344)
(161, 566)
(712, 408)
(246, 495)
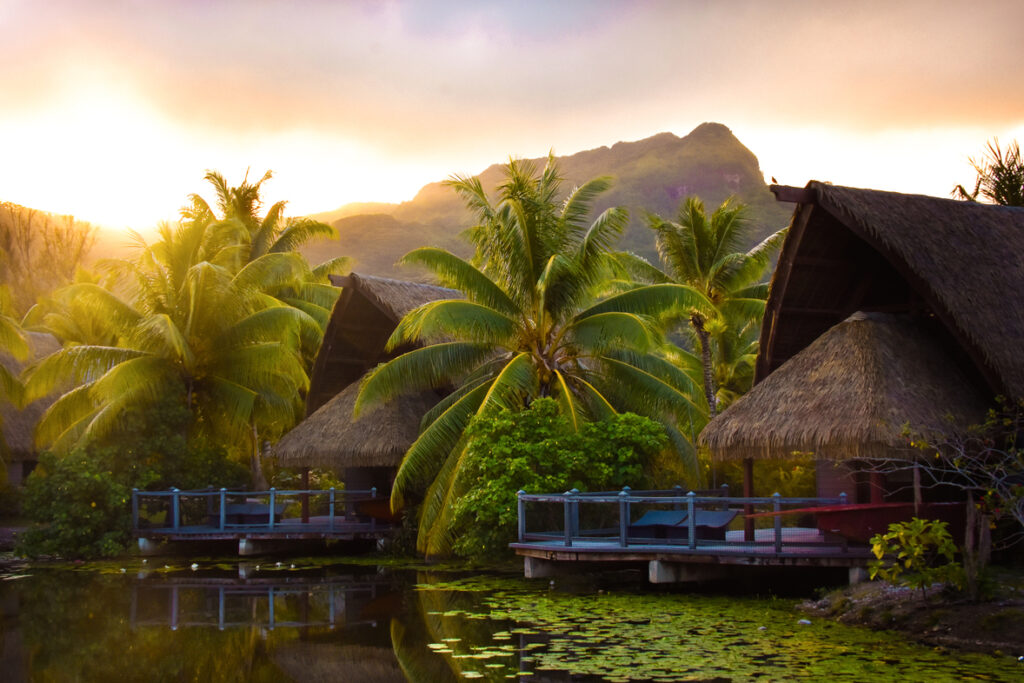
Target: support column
(858, 575)
(673, 572)
(877, 485)
(536, 568)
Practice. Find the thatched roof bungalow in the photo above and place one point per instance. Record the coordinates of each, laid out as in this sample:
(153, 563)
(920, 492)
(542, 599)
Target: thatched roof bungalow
(937, 285)
(363, 318)
(19, 425)
(365, 452)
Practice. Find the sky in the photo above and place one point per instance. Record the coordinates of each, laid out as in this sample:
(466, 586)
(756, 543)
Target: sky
(113, 111)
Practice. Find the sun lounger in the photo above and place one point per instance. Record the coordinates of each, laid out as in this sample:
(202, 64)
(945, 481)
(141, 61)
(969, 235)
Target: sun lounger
(673, 524)
(656, 523)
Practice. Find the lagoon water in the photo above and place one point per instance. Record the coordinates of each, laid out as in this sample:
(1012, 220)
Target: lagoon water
(324, 620)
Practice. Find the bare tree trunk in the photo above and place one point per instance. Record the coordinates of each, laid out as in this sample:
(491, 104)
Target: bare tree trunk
(977, 548)
(697, 321)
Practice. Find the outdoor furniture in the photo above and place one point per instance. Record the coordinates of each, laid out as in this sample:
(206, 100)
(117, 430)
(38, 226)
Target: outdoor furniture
(248, 513)
(673, 524)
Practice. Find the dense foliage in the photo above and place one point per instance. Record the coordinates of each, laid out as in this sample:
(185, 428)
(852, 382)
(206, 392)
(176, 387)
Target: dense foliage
(219, 313)
(80, 502)
(538, 451)
(533, 324)
(39, 252)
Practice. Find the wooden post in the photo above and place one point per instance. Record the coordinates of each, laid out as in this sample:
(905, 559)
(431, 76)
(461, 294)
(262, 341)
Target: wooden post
(270, 517)
(567, 511)
(135, 509)
(748, 492)
(304, 498)
(521, 514)
(777, 509)
(330, 513)
(691, 518)
(623, 516)
(877, 485)
(175, 509)
(223, 507)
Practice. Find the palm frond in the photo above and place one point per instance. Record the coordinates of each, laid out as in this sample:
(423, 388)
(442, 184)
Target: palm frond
(652, 300)
(456, 273)
(426, 368)
(454, 319)
(512, 386)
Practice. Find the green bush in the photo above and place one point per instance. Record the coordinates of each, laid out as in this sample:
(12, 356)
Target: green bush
(924, 555)
(81, 502)
(82, 509)
(537, 451)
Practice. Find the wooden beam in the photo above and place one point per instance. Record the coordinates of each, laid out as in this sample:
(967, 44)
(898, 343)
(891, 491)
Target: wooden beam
(792, 195)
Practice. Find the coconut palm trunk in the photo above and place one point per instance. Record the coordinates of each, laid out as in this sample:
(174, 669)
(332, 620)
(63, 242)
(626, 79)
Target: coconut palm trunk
(697, 322)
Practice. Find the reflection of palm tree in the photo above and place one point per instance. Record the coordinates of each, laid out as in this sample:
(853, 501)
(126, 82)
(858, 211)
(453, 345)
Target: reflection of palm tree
(704, 253)
(531, 326)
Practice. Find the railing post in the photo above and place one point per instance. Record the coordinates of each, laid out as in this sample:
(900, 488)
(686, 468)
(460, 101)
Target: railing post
(273, 497)
(623, 516)
(175, 509)
(521, 514)
(677, 492)
(725, 494)
(567, 510)
(223, 507)
(135, 509)
(373, 520)
(842, 498)
(330, 507)
(777, 509)
(691, 519)
(575, 511)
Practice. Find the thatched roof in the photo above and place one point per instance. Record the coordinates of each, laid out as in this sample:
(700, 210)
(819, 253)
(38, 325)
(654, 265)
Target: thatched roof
(851, 249)
(363, 318)
(329, 438)
(326, 663)
(19, 425)
(849, 394)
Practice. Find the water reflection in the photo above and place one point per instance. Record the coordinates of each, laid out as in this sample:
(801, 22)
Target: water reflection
(318, 623)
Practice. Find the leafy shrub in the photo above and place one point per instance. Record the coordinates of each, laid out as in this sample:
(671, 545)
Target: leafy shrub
(81, 502)
(919, 547)
(537, 451)
(82, 507)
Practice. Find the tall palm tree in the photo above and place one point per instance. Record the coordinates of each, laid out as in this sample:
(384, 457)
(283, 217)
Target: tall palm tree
(531, 325)
(239, 235)
(704, 253)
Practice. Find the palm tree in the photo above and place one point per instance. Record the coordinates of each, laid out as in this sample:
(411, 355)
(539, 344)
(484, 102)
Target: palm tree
(703, 253)
(240, 235)
(1000, 178)
(531, 325)
(195, 330)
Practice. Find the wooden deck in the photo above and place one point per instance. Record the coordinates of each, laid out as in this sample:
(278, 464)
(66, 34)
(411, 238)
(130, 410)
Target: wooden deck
(686, 550)
(260, 521)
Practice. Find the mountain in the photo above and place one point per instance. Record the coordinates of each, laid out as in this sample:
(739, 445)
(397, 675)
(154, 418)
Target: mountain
(651, 175)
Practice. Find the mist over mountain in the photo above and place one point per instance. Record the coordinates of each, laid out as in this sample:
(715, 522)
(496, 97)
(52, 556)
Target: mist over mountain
(650, 175)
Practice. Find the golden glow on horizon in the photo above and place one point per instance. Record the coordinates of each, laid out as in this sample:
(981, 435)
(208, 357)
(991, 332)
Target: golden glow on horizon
(108, 158)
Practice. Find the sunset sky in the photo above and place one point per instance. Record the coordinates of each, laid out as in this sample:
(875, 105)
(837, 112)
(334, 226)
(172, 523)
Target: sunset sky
(113, 110)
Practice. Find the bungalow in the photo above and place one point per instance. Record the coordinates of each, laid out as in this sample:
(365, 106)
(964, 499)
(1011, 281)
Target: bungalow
(885, 310)
(366, 452)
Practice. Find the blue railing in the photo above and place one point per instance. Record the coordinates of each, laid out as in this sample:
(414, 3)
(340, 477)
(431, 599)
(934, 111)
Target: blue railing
(233, 510)
(627, 501)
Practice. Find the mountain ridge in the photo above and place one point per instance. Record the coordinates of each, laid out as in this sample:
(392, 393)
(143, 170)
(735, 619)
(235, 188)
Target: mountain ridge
(653, 174)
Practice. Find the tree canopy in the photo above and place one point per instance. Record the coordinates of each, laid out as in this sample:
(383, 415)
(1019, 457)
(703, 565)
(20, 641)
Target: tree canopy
(536, 321)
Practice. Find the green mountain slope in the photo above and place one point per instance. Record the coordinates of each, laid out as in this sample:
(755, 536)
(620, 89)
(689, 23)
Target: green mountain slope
(653, 174)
